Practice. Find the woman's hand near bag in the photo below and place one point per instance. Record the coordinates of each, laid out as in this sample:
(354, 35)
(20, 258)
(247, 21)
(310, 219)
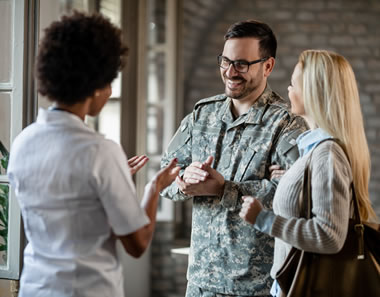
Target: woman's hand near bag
(250, 209)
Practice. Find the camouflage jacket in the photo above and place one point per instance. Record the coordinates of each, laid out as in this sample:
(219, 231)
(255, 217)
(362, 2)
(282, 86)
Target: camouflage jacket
(227, 255)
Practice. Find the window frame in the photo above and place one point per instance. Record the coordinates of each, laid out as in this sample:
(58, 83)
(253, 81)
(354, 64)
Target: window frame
(173, 91)
(16, 88)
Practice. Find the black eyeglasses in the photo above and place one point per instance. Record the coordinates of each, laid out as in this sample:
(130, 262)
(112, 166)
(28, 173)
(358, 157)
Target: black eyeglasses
(240, 66)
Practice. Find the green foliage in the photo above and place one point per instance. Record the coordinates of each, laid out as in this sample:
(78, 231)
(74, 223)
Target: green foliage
(5, 157)
(4, 194)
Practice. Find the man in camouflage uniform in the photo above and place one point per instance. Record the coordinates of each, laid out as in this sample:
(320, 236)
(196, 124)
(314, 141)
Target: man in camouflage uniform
(225, 147)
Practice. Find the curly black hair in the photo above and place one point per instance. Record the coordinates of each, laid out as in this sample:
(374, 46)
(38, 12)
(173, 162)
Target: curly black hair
(78, 55)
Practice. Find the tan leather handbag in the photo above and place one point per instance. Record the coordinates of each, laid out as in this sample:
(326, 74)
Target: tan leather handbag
(352, 272)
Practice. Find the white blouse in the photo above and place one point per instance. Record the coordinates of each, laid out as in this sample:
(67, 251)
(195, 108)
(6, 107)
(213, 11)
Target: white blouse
(75, 190)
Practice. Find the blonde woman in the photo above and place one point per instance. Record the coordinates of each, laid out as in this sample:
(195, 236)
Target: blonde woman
(323, 91)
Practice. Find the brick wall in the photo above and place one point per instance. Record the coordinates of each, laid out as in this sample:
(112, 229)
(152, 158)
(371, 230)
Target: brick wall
(162, 264)
(168, 270)
(349, 27)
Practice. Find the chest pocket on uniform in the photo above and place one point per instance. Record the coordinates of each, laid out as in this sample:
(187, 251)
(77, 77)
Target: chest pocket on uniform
(206, 142)
(252, 165)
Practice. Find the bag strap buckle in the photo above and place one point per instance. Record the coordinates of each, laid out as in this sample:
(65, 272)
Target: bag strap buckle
(359, 228)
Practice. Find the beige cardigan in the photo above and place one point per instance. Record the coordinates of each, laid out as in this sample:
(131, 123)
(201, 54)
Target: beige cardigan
(331, 177)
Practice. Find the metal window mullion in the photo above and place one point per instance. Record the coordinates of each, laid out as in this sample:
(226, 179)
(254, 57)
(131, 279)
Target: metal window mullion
(4, 179)
(170, 72)
(142, 93)
(6, 87)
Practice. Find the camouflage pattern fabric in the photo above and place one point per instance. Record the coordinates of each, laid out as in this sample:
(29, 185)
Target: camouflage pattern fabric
(227, 254)
(194, 291)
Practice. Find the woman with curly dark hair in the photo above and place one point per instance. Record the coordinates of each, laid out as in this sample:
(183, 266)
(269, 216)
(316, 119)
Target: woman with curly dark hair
(74, 187)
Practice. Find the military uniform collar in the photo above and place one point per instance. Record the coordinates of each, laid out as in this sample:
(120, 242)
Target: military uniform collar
(257, 110)
(254, 114)
(225, 112)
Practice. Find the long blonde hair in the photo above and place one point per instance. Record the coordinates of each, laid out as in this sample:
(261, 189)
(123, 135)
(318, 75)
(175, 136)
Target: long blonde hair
(331, 99)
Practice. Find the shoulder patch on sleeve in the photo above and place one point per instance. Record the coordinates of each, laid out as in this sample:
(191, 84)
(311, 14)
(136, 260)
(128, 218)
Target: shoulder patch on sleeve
(182, 135)
(289, 135)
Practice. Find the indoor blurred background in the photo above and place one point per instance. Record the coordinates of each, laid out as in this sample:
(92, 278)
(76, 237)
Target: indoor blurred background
(172, 64)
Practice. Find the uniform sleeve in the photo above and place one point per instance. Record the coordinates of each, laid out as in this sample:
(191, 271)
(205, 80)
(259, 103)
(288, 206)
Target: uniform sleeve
(286, 150)
(262, 189)
(116, 190)
(180, 148)
(326, 231)
(284, 153)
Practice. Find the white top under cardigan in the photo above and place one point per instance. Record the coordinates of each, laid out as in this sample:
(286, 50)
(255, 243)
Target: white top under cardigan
(74, 189)
(326, 232)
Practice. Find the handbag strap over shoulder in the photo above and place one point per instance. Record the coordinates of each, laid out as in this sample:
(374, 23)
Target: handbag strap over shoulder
(305, 201)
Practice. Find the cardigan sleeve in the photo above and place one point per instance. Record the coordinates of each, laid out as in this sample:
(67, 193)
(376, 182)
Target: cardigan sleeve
(326, 231)
(264, 221)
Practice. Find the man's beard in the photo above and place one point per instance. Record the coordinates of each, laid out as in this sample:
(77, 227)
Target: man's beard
(243, 92)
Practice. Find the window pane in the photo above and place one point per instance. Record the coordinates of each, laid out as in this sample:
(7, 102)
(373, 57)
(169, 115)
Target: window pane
(154, 130)
(52, 10)
(111, 9)
(67, 6)
(153, 167)
(116, 86)
(109, 120)
(5, 40)
(5, 119)
(78, 5)
(156, 77)
(157, 25)
(4, 192)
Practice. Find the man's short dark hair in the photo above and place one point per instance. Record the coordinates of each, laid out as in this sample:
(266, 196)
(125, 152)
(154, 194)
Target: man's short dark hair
(78, 55)
(255, 29)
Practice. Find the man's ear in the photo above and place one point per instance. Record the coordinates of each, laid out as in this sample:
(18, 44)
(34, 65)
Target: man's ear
(268, 66)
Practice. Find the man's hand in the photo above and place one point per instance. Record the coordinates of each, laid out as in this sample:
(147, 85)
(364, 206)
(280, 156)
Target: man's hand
(200, 179)
(195, 173)
(276, 172)
(136, 163)
(250, 209)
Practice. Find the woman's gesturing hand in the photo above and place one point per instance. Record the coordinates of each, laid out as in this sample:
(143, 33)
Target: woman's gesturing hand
(136, 163)
(166, 175)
